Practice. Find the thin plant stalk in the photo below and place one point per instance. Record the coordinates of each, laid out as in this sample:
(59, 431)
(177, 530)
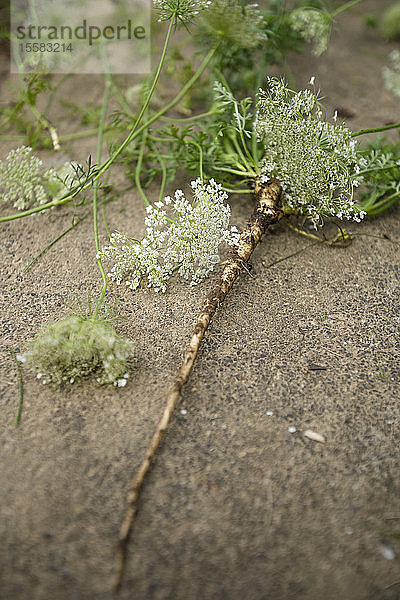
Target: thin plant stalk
(279, 260)
(139, 168)
(20, 389)
(163, 170)
(81, 134)
(266, 212)
(59, 237)
(345, 6)
(95, 191)
(375, 129)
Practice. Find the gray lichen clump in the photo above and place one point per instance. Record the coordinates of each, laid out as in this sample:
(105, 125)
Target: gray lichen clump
(76, 347)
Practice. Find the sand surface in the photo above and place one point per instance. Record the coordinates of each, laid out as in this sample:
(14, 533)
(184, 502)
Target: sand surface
(236, 507)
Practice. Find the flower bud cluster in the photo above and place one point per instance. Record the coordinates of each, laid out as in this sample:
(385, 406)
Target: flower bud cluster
(316, 162)
(187, 242)
(75, 347)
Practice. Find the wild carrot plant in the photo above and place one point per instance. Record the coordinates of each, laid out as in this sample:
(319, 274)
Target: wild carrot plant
(274, 143)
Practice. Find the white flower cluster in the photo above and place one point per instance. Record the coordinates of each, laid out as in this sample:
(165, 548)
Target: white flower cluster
(185, 10)
(24, 181)
(314, 26)
(187, 243)
(75, 347)
(315, 161)
(391, 75)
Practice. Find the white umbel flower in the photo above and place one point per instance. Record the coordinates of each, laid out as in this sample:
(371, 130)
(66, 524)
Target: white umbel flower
(315, 161)
(186, 242)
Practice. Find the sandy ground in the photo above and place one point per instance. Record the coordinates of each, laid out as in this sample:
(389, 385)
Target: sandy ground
(236, 507)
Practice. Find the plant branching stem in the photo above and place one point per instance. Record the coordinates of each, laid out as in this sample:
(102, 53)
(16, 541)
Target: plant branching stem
(134, 133)
(267, 212)
(341, 239)
(344, 7)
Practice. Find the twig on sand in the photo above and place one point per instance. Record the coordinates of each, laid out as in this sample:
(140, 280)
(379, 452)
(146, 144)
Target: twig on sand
(266, 212)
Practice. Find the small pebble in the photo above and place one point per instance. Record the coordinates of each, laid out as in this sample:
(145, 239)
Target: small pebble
(387, 552)
(291, 429)
(313, 435)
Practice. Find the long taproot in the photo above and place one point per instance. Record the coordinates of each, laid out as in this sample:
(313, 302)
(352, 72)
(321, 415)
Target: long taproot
(267, 212)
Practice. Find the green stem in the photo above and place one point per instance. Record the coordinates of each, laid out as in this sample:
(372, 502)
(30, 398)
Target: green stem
(100, 136)
(37, 209)
(235, 172)
(200, 149)
(11, 138)
(81, 134)
(192, 118)
(20, 388)
(375, 129)
(345, 7)
(45, 123)
(53, 91)
(139, 168)
(54, 242)
(383, 205)
(11, 115)
(387, 168)
(238, 191)
(279, 260)
(134, 133)
(243, 158)
(378, 237)
(103, 214)
(163, 170)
